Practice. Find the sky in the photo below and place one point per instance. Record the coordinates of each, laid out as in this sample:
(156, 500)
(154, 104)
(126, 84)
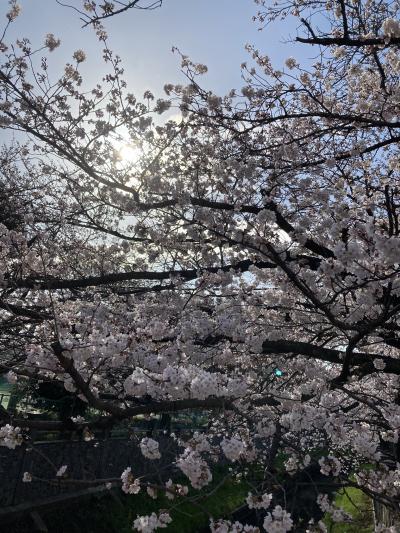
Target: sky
(212, 32)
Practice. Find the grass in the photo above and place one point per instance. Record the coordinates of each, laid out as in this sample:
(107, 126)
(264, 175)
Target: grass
(188, 517)
(110, 514)
(116, 515)
(359, 506)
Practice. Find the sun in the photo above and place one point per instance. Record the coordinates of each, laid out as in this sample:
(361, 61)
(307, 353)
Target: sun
(128, 153)
(128, 156)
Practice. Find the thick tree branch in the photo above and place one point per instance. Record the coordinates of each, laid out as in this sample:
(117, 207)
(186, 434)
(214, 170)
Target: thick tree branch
(392, 366)
(360, 42)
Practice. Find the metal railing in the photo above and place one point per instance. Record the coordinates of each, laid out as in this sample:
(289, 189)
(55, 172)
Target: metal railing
(99, 458)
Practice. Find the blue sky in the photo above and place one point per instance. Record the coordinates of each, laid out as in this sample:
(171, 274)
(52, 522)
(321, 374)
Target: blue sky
(212, 32)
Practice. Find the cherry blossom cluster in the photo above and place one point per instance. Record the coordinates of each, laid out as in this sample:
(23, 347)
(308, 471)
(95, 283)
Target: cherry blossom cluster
(258, 502)
(278, 521)
(10, 436)
(148, 524)
(195, 468)
(130, 484)
(226, 526)
(175, 489)
(149, 448)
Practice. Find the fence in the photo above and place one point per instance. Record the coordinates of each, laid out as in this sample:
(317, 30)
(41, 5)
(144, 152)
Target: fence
(385, 516)
(96, 459)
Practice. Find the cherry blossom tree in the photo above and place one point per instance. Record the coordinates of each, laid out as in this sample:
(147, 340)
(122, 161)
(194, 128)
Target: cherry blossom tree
(94, 13)
(245, 262)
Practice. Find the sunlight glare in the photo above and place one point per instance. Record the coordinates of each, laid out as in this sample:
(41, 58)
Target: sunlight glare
(129, 154)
